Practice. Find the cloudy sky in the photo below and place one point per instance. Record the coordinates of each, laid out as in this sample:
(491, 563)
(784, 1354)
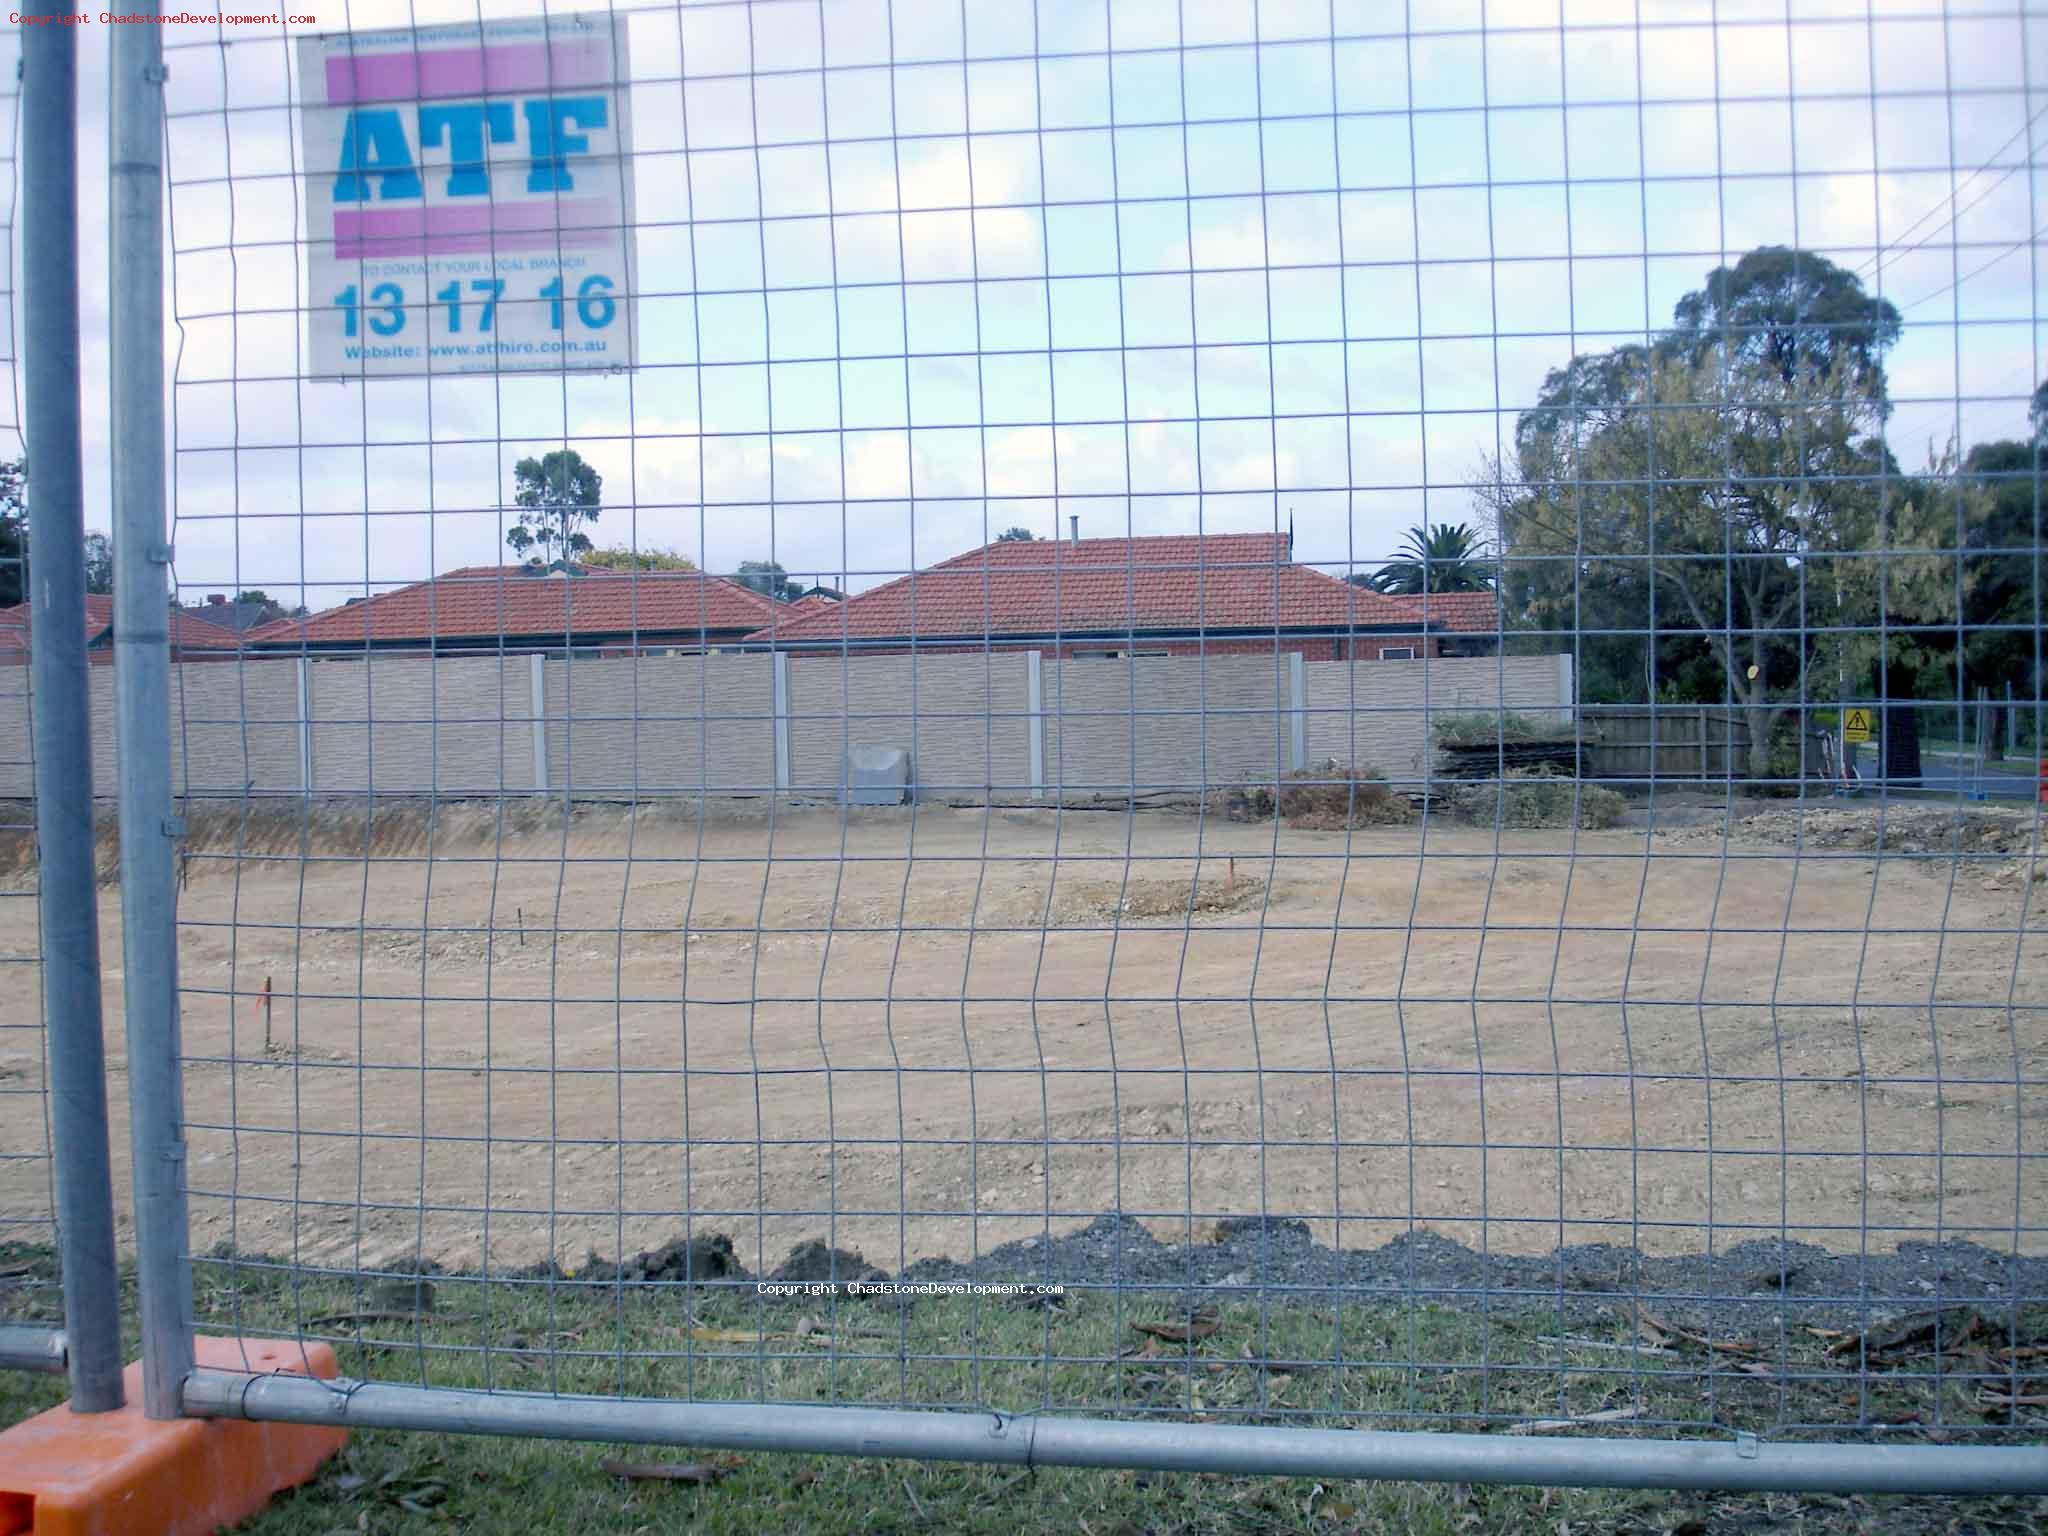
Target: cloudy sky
(910, 275)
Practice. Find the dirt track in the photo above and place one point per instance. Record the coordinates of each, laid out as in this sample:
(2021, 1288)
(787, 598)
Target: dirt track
(700, 1022)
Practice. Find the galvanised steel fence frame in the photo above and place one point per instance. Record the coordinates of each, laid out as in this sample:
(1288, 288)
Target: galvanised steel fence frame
(1724, 1387)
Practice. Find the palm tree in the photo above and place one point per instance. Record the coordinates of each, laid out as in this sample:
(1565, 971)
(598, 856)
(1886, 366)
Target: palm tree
(1446, 558)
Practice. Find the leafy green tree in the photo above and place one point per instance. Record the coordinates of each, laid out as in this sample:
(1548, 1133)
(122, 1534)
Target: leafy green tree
(1701, 515)
(618, 557)
(13, 531)
(556, 494)
(2003, 569)
(1789, 312)
(1016, 535)
(99, 562)
(1449, 557)
(277, 607)
(768, 578)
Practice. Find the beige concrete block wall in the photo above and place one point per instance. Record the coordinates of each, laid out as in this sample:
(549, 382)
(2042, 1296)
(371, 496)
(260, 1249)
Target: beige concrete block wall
(17, 768)
(234, 727)
(683, 724)
(486, 733)
(962, 717)
(105, 769)
(656, 725)
(372, 725)
(1199, 722)
(422, 725)
(1376, 714)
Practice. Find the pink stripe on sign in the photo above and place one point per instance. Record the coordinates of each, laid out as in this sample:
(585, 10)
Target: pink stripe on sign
(378, 233)
(502, 68)
(470, 245)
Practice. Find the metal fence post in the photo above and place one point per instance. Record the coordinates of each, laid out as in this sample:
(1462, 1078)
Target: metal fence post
(62, 702)
(1173, 1058)
(142, 682)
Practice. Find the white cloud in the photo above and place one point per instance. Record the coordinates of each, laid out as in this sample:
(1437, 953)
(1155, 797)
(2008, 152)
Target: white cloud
(279, 480)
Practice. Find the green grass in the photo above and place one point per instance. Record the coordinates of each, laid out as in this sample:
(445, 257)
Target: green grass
(962, 1352)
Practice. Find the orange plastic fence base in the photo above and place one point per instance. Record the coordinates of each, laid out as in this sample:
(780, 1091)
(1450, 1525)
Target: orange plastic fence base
(98, 1474)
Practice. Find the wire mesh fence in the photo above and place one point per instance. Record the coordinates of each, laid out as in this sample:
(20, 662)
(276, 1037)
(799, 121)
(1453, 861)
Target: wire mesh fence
(815, 771)
(28, 1215)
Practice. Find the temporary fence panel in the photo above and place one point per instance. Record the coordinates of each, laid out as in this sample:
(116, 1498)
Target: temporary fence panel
(1205, 1068)
(31, 1309)
(47, 560)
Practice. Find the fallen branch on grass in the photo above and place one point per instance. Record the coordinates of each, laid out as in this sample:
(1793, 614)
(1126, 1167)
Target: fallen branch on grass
(664, 1471)
(1652, 1351)
(1660, 1333)
(1891, 1340)
(1991, 1397)
(1200, 1326)
(353, 1319)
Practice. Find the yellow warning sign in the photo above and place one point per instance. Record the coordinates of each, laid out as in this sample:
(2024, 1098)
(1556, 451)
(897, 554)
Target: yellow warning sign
(1856, 725)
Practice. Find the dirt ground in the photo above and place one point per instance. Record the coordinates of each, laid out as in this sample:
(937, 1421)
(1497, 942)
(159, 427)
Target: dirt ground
(496, 1035)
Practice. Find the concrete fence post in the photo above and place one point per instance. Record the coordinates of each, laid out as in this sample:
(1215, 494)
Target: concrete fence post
(305, 687)
(779, 687)
(1297, 714)
(537, 695)
(1034, 719)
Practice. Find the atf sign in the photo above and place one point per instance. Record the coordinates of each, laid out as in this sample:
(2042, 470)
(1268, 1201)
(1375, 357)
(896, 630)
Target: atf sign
(1856, 724)
(470, 203)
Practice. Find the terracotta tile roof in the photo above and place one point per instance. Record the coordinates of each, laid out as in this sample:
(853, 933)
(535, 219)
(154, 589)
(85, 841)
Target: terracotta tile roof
(1471, 613)
(1183, 583)
(238, 616)
(187, 633)
(487, 602)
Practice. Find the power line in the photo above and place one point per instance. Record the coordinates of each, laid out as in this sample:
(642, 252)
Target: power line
(1917, 245)
(2016, 246)
(1870, 264)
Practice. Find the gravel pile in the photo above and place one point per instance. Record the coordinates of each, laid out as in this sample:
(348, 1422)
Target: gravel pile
(1889, 829)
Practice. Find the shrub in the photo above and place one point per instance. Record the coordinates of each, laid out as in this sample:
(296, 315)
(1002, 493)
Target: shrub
(1328, 797)
(1483, 728)
(1531, 800)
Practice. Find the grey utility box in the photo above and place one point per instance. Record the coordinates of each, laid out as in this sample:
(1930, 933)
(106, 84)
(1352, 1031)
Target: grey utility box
(877, 775)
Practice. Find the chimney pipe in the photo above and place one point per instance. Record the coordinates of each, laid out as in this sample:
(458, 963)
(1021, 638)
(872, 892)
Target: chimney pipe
(1074, 523)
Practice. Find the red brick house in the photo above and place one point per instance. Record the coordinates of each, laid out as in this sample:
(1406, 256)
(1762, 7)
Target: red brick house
(526, 610)
(1170, 595)
(192, 639)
